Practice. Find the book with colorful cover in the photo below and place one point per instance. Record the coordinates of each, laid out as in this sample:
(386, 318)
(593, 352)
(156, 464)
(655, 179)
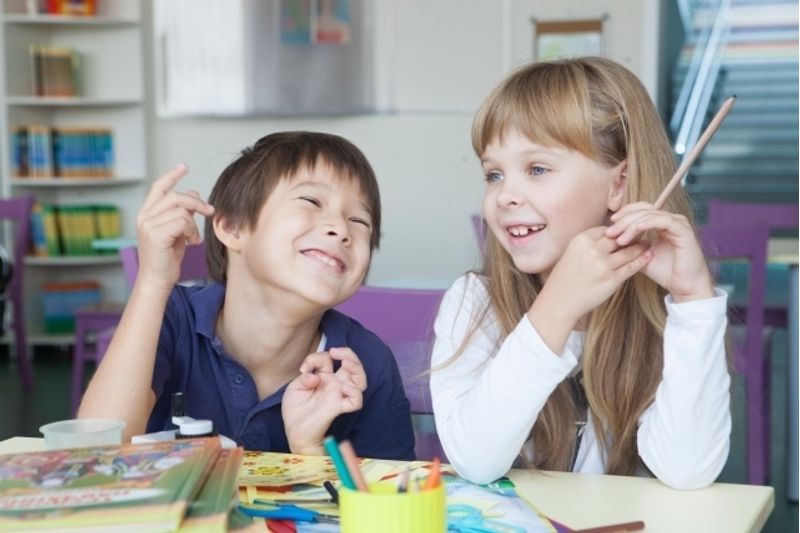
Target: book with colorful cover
(219, 493)
(132, 487)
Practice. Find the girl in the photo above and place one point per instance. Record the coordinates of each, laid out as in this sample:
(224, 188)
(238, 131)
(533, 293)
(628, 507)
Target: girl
(593, 339)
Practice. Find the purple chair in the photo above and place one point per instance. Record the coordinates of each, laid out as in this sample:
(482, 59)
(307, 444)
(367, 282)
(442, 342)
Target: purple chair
(193, 266)
(102, 320)
(18, 210)
(774, 216)
(750, 357)
(403, 319)
(480, 229)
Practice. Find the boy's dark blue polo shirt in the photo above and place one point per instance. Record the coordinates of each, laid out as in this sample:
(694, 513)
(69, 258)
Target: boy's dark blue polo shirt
(191, 359)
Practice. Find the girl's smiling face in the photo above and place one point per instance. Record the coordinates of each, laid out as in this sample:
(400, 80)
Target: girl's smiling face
(538, 198)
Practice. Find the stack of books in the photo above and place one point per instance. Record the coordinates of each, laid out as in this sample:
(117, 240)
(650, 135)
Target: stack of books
(39, 151)
(182, 485)
(71, 230)
(54, 71)
(77, 8)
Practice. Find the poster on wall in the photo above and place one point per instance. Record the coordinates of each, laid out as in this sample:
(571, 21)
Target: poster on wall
(568, 38)
(315, 22)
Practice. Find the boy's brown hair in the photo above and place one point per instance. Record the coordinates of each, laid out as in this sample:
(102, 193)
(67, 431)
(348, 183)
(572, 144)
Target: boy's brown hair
(245, 185)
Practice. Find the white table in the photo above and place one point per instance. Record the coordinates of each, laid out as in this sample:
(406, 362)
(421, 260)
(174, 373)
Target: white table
(580, 500)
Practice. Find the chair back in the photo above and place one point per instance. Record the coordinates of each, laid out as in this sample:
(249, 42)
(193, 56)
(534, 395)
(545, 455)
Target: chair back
(773, 216)
(193, 266)
(479, 229)
(751, 355)
(750, 243)
(18, 210)
(403, 319)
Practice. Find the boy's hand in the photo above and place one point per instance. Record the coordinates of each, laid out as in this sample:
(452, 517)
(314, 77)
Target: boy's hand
(164, 226)
(318, 395)
(678, 262)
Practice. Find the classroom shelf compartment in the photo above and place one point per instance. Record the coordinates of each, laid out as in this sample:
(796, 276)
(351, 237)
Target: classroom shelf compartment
(97, 20)
(57, 182)
(52, 101)
(71, 261)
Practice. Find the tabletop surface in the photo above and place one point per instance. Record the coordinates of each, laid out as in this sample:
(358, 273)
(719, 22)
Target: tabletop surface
(582, 500)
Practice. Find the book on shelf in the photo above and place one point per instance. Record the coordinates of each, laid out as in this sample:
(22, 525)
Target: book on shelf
(131, 487)
(40, 151)
(55, 71)
(71, 230)
(80, 8)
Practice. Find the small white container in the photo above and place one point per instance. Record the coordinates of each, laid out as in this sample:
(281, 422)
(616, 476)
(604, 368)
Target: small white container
(82, 432)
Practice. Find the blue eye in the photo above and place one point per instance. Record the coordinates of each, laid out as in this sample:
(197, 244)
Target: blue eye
(537, 170)
(493, 177)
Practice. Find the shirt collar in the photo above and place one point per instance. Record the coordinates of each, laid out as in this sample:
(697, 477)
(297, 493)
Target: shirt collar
(207, 302)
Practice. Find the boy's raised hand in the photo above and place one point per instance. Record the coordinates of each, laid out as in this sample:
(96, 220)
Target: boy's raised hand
(678, 262)
(318, 395)
(164, 226)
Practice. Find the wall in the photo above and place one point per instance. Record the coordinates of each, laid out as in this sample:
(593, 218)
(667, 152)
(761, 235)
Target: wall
(436, 60)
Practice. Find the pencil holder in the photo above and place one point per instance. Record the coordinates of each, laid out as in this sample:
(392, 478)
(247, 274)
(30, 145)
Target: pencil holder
(388, 511)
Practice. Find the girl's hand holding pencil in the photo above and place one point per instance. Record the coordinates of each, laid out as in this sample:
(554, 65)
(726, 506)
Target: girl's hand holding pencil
(678, 264)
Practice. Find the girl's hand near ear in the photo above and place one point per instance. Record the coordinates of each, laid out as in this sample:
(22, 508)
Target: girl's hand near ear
(592, 267)
(164, 226)
(678, 262)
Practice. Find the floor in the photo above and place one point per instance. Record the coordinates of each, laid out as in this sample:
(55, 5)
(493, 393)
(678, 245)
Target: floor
(23, 413)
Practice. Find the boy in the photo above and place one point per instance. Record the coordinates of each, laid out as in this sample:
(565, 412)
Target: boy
(290, 228)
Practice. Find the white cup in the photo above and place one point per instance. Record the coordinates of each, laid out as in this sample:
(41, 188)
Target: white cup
(82, 432)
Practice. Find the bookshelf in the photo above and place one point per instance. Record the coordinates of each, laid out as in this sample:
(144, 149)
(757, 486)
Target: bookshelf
(109, 95)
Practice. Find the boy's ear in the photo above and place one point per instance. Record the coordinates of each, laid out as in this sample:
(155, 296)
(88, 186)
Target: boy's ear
(618, 186)
(227, 233)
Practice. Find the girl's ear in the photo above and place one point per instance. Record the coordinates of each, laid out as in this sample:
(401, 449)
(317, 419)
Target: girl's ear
(227, 233)
(618, 186)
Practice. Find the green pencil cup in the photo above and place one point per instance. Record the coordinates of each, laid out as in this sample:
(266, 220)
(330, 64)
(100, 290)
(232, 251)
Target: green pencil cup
(388, 511)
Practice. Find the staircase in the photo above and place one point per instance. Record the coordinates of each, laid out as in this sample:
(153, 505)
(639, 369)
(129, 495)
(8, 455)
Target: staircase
(754, 155)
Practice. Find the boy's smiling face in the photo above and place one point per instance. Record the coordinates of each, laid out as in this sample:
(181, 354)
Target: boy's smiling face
(312, 237)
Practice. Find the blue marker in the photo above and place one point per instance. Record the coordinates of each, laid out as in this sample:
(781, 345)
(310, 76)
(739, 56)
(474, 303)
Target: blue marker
(338, 462)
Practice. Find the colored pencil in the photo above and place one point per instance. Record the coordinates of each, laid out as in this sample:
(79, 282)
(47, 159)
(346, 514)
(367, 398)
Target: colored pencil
(350, 459)
(338, 462)
(435, 476)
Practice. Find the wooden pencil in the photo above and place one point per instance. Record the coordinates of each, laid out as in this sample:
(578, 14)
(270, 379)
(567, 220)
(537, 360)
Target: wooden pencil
(701, 143)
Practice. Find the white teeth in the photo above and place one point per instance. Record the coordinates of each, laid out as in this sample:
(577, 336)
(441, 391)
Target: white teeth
(522, 231)
(326, 259)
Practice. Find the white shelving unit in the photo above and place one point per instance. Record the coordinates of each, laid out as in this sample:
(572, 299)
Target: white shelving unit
(111, 95)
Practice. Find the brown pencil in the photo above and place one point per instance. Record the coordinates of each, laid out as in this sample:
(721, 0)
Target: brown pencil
(611, 528)
(701, 143)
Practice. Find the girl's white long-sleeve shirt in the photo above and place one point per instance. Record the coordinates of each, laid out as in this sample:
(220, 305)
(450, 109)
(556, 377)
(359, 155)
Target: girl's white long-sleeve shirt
(486, 401)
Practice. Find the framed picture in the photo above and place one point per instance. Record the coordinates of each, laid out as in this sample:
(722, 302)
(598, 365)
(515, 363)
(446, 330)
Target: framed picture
(568, 38)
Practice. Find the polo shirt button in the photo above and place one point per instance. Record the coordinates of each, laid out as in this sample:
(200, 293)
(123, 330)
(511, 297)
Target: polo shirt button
(238, 379)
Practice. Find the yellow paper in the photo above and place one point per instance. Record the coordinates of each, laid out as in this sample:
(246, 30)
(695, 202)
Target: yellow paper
(268, 469)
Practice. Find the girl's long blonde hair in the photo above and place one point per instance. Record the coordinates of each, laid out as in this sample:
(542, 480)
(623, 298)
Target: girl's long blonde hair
(600, 109)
